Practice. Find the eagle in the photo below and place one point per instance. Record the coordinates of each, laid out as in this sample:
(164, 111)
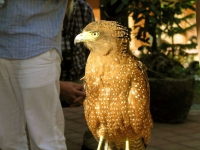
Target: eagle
(117, 100)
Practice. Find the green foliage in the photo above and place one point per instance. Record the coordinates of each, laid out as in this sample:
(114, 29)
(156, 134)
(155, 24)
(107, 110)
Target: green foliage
(156, 14)
(156, 17)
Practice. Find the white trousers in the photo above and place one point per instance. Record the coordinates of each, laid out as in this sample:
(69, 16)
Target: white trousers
(29, 94)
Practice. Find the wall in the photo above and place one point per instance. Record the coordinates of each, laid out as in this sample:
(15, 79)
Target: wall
(95, 6)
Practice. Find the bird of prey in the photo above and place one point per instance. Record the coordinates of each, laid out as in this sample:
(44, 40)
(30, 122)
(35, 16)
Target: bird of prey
(117, 90)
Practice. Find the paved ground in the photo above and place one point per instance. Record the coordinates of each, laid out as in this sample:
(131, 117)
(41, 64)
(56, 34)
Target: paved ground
(184, 136)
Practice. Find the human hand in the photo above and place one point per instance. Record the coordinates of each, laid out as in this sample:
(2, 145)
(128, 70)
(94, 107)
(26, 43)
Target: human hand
(73, 93)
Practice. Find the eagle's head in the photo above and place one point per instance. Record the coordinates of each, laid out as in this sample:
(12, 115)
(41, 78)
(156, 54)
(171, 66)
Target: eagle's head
(104, 37)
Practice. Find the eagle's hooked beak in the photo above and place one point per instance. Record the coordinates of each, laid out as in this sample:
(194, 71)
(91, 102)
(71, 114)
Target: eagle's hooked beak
(78, 38)
(83, 37)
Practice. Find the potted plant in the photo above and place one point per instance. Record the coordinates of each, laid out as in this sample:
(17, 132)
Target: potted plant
(171, 87)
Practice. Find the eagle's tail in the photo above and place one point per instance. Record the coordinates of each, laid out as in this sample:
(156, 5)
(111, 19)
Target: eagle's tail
(136, 144)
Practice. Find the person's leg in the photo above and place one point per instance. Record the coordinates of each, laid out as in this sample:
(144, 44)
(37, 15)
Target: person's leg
(47, 131)
(38, 79)
(12, 121)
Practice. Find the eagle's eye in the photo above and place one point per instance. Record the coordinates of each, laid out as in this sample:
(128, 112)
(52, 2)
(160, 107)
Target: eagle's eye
(95, 33)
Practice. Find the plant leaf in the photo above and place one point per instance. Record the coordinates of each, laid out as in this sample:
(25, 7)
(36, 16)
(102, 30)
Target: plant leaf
(125, 2)
(119, 8)
(152, 19)
(112, 2)
(155, 10)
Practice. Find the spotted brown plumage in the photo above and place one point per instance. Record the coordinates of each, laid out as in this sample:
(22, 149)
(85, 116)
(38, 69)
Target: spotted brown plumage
(117, 89)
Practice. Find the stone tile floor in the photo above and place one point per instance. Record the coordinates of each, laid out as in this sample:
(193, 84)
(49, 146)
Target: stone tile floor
(184, 136)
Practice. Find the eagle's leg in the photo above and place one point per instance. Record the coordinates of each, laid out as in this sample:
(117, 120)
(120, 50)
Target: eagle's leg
(106, 145)
(127, 144)
(100, 143)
